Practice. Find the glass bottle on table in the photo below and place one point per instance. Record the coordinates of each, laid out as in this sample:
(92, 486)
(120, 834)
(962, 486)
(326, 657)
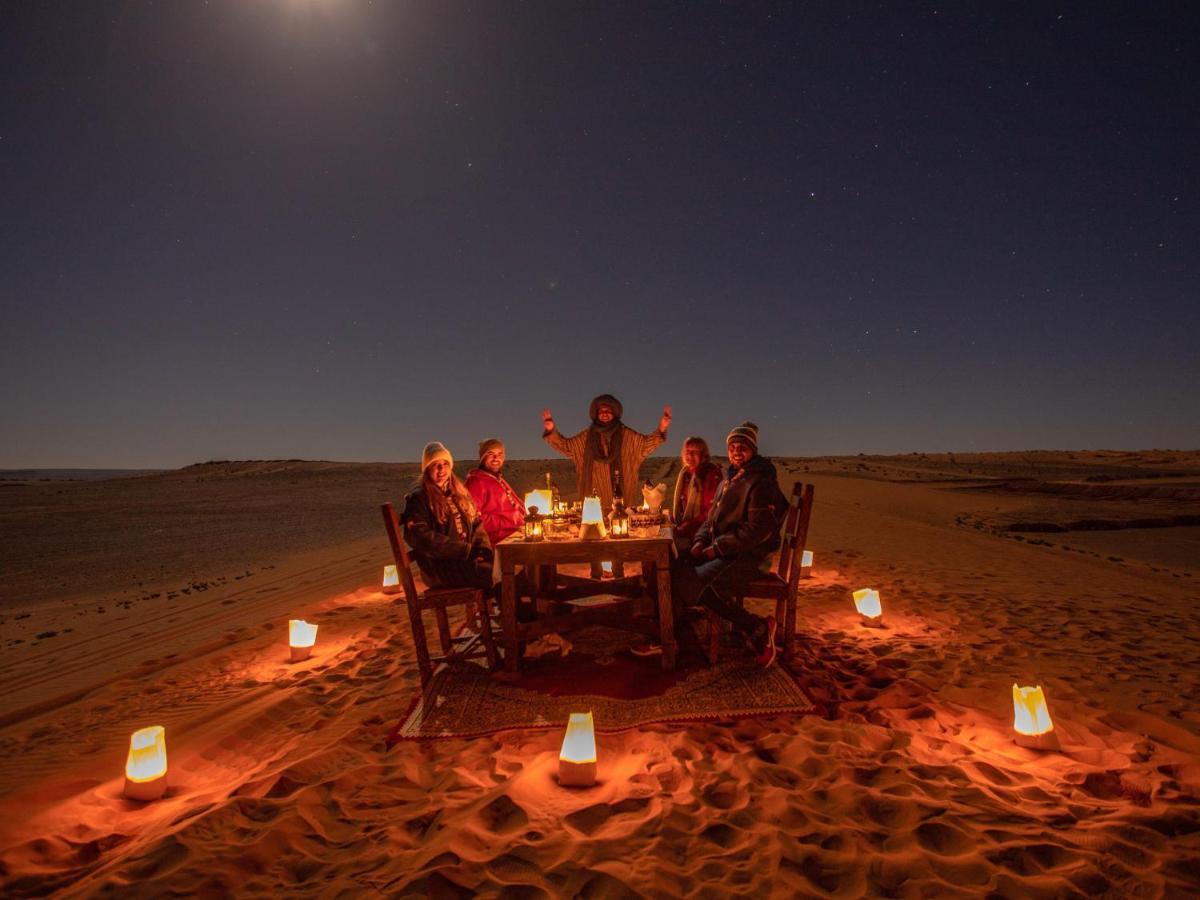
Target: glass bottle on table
(555, 496)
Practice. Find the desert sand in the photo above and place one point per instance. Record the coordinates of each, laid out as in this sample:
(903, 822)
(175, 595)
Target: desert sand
(163, 599)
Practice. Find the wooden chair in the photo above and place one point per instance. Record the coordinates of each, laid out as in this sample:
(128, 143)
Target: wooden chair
(783, 584)
(439, 599)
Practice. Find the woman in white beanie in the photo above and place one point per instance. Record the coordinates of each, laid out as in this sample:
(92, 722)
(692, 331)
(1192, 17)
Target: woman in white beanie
(443, 526)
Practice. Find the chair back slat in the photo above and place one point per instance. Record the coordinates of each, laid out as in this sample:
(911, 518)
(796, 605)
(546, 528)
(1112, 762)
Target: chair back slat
(800, 540)
(400, 553)
(789, 531)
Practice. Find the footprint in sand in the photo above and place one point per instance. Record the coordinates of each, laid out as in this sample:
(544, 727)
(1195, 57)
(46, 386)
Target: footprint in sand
(502, 816)
(939, 838)
(590, 819)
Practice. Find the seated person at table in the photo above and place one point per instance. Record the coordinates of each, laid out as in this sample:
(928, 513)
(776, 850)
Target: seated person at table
(502, 511)
(695, 489)
(443, 527)
(734, 545)
(607, 454)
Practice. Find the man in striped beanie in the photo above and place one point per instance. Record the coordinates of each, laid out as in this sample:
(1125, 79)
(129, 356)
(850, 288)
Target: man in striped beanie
(734, 545)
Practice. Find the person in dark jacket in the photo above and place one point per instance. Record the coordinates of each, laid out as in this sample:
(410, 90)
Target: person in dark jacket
(695, 489)
(734, 545)
(443, 526)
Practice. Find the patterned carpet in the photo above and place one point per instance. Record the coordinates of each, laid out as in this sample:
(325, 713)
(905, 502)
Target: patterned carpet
(599, 674)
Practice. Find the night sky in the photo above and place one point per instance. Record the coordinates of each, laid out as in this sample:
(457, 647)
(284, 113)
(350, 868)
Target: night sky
(337, 230)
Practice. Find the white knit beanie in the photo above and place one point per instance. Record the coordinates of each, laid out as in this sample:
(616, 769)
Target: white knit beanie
(435, 450)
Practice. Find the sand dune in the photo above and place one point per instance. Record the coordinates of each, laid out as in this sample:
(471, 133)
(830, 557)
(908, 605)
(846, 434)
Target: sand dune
(281, 781)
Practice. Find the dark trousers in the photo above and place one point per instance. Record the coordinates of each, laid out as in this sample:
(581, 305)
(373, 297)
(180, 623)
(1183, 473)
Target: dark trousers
(713, 583)
(468, 573)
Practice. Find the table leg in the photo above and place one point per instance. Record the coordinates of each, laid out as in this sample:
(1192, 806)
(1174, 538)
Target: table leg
(508, 618)
(666, 617)
(647, 600)
(543, 587)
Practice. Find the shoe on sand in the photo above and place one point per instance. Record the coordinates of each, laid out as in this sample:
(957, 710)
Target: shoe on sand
(646, 648)
(766, 656)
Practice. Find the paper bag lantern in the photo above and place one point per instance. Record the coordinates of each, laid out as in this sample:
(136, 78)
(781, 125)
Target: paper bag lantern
(592, 527)
(543, 500)
(146, 764)
(577, 759)
(806, 562)
(301, 637)
(391, 580)
(653, 496)
(1031, 718)
(869, 607)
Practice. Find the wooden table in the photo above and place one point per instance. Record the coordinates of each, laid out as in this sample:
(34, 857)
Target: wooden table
(651, 547)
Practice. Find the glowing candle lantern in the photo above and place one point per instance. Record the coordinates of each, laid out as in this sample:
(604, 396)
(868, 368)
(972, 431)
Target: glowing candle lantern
(1031, 719)
(618, 525)
(391, 580)
(534, 525)
(301, 637)
(806, 561)
(146, 765)
(869, 608)
(592, 527)
(577, 759)
(541, 499)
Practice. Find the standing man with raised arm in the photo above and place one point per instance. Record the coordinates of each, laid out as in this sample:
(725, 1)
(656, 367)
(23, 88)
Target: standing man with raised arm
(608, 453)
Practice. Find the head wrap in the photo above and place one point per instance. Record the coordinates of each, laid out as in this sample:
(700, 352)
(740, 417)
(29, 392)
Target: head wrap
(607, 400)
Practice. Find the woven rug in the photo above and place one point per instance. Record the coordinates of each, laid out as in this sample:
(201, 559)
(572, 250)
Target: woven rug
(599, 674)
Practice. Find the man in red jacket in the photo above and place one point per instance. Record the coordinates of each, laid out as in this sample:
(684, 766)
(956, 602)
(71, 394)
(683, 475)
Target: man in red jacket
(502, 510)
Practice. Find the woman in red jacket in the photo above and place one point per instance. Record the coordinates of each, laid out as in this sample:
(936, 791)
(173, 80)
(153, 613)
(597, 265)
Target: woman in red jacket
(694, 490)
(502, 510)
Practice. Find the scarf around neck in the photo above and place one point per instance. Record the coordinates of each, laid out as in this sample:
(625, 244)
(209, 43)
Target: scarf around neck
(593, 450)
(691, 494)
